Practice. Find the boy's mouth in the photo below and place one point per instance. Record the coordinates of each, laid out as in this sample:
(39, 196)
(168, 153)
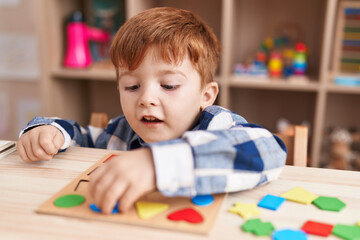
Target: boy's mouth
(150, 119)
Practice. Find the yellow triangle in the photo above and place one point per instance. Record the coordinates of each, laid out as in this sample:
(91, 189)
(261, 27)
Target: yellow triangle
(149, 209)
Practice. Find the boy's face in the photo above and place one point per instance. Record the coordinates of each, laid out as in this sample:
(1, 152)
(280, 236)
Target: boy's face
(159, 100)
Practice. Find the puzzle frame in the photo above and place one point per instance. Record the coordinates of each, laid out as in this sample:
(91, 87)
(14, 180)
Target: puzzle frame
(80, 186)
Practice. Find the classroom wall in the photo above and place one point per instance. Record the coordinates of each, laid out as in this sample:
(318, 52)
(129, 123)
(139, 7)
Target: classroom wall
(19, 67)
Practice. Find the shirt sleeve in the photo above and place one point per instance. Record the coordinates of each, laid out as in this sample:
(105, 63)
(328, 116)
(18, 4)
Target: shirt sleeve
(226, 154)
(74, 134)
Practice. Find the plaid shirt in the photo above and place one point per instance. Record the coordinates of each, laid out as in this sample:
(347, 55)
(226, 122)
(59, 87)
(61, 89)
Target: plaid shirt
(222, 153)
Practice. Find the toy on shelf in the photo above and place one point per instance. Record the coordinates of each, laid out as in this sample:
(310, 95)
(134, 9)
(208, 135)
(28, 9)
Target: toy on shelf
(108, 15)
(347, 38)
(275, 65)
(288, 56)
(78, 36)
(341, 149)
(277, 57)
(275, 60)
(299, 62)
(255, 67)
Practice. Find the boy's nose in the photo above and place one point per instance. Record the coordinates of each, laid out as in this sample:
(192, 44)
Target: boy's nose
(148, 98)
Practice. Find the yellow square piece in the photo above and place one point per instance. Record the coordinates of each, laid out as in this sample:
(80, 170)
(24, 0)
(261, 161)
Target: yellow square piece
(245, 210)
(299, 195)
(358, 223)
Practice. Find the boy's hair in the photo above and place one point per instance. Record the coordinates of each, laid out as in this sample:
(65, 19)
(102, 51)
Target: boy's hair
(175, 32)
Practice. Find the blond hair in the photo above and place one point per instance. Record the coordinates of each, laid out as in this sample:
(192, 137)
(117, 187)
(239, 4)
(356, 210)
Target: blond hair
(175, 32)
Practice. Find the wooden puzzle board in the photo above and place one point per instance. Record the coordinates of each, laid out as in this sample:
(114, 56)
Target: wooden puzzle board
(80, 186)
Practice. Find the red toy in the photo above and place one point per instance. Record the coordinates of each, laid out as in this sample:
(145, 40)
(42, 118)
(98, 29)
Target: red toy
(317, 228)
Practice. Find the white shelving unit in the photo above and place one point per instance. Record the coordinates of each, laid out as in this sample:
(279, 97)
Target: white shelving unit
(241, 26)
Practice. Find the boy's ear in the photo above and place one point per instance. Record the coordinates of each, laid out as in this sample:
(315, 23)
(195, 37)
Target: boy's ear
(209, 94)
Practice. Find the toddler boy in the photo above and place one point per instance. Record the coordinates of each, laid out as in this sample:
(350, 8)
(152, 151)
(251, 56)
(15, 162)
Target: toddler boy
(176, 140)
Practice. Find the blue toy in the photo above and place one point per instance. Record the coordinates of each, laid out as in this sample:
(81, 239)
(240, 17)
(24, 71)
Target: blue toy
(287, 234)
(271, 202)
(97, 209)
(203, 200)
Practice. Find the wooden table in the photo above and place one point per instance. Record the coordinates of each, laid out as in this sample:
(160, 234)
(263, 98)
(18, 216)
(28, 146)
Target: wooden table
(24, 186)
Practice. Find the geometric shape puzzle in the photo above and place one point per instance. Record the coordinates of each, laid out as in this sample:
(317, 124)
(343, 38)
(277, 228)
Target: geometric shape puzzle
(257, 227)
(245, 210)
(147, 210)
(287, 234)
(271, 202)
(329, 203)
(69, 200)
(317, 228)
(83, 211)
(97, 209)
(203, 200)
(346, 231)
(299, 195)
(187, 214)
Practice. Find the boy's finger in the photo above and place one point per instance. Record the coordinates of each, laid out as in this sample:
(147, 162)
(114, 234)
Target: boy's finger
(58, 140)
(128, 198)
(22, 153)
(100, 184)
(95, 177)
(46, 143)
(28, 150)
(39, 152)
(100, 189)
(111, 196)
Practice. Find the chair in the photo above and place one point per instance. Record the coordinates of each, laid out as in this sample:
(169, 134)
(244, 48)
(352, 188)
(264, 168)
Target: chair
(296, 145)
(99, 119)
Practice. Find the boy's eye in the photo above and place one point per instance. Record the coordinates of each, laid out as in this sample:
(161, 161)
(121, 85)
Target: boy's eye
(132, 88)
(170, 87)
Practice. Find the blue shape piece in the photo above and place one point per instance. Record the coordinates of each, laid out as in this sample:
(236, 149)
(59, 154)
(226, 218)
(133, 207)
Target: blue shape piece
(94, 208)
(271, 202)
(97, 209)
(203, 200)
(286, 234)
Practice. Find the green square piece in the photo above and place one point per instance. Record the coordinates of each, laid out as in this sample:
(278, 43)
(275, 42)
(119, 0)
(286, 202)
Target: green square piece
(257, 227)
(299, 195)
(329, 203)
(348, 232)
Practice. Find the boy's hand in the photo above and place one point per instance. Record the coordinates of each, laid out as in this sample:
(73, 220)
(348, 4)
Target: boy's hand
(40, 143)
(124, 178)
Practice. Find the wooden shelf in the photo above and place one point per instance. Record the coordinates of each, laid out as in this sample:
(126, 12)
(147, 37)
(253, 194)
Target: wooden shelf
(278, 84)
(263, 99)
(335, 88)
(103, 71)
